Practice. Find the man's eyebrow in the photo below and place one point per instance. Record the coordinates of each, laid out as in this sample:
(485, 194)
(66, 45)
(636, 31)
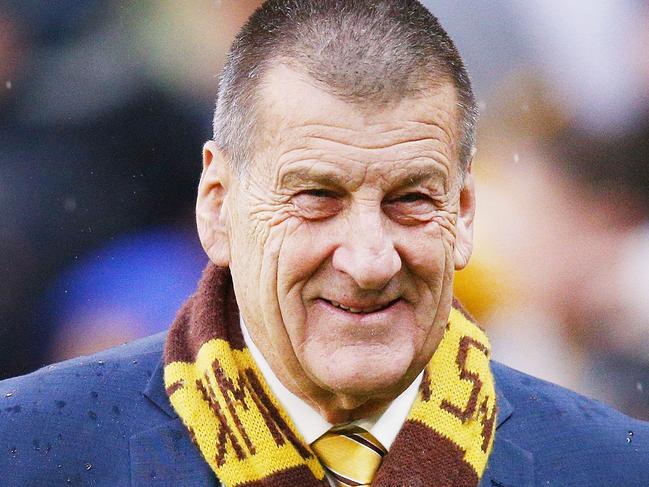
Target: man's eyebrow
(420, 176)
(298, 177)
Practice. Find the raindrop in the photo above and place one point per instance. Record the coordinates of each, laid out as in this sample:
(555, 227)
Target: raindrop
(153, 474)
(70, 204)
(88, 466)
(638, 386)
(68, 480)
(8, 84)
(629, 437)
(134, 362)
(13, 450)
(9, 394)
(36, 444)
(59, 466)
(100, 362)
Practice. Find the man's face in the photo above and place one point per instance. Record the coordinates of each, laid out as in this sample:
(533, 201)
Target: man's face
(343, 238)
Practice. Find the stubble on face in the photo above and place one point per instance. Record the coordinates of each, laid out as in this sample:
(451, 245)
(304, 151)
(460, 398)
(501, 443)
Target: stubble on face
(342, 241)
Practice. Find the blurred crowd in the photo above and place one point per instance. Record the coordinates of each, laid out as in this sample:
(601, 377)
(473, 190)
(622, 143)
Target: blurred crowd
(104, 106)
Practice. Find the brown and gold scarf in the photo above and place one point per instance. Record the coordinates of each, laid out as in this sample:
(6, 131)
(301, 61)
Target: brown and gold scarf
(248, 439)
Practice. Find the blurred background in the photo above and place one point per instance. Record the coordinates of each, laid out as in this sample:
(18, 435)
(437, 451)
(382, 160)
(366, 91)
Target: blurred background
(104, 106)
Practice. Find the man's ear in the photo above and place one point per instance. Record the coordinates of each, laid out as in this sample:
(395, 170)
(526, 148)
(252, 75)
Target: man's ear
(211, 205)
(464, 226)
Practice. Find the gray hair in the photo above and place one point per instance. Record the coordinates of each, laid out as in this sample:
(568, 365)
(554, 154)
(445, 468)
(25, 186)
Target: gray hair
(365, 52)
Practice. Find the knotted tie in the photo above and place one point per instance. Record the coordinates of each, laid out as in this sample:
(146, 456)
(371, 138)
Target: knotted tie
(351, 455)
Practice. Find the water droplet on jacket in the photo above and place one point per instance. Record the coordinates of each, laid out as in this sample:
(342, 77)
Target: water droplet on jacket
(88, 466)
(13, 450)
(69, 204)
(629, 437)
(100, 362)
(9, 394)
(59, 466)
(134, 362)
(153, 474)
(68, 480)
(638, 386)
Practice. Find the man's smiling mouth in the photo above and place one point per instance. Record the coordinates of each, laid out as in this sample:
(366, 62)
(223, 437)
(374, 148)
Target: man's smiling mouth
(361, 310)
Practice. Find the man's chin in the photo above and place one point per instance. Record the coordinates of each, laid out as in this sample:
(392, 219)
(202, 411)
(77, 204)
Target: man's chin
(351, 372)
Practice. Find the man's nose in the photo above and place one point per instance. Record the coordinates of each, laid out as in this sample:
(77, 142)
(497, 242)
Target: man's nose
(367, 253)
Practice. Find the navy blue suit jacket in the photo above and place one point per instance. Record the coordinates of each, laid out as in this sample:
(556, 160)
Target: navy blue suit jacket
(105, 420)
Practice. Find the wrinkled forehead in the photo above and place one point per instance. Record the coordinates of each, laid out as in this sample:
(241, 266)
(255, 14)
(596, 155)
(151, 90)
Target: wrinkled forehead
(295, 115)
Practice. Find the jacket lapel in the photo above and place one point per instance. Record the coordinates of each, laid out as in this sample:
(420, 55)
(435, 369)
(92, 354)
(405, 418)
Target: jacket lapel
(509, 465)
(165, 455)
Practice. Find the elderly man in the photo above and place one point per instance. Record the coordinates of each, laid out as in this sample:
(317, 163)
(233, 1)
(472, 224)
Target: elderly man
(323, 346)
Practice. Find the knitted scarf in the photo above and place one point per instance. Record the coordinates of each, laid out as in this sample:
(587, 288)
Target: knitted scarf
(248, 439)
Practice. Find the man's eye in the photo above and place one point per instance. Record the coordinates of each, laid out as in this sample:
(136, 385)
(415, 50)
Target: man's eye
(315, 204)
(410, 208)
(412, 197)
(319, 193)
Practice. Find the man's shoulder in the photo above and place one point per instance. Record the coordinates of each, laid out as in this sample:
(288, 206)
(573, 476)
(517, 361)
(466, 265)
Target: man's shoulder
(73, 417)
(562, 429)
(530, 396)
(124, 367)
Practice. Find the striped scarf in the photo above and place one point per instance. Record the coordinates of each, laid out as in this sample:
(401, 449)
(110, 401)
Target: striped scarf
(248, 440)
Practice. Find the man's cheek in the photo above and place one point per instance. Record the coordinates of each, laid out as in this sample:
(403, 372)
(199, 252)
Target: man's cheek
(306, 247)
(425, 250)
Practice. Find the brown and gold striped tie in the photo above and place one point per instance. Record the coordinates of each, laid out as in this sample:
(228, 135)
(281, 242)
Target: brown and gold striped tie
(351, 455)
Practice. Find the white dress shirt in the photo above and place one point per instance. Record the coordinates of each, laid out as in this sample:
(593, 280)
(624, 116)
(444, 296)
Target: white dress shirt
(384, 426)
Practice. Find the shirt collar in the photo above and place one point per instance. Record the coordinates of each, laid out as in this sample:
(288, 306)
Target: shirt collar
(384, 426)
